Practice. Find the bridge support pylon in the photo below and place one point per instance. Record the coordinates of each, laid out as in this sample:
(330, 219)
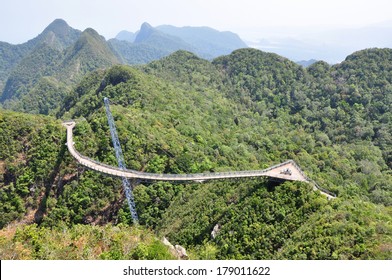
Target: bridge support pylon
(121, 163)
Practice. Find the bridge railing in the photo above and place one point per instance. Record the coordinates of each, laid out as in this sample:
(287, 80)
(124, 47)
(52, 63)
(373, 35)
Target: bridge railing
(144, 175)
(194, 176)
(322, 189)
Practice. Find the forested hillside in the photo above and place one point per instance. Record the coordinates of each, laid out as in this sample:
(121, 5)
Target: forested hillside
(58, 34)
(183, 114)
(39, 83)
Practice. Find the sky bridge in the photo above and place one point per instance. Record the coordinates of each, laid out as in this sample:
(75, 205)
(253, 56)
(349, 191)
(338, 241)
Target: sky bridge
(286, 171)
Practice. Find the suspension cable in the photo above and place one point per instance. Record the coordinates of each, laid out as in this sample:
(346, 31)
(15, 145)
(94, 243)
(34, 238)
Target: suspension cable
(121, 163)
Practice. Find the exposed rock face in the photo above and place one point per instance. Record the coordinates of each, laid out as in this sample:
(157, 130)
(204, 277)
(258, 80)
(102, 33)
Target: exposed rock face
(181, 252)
(215, 231)
(167, 243)
(176, 250)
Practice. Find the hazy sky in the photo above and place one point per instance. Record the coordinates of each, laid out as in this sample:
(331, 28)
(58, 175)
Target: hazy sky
(21, 20)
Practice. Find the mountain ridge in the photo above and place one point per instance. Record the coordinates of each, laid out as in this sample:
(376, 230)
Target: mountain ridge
(64, 54)
(52, 62)
(65, 34)
(204, 38)
(204, 41)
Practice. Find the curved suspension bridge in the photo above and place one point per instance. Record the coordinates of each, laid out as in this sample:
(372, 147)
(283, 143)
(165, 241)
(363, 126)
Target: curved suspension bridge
(288, 170)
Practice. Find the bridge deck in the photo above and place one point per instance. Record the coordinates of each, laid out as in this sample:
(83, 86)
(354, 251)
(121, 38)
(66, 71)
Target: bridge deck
(288, 170)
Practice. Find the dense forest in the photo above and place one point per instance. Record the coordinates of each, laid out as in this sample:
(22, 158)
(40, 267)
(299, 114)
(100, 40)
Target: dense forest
(183, 114)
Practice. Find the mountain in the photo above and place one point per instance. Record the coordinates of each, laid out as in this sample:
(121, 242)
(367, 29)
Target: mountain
(58, 35)
(24, 64)
(10, 56)
(151, 43)
(88, 53)
(152, 36)
(129, 53)
(60, 58)
(39, 63)
(207, 41)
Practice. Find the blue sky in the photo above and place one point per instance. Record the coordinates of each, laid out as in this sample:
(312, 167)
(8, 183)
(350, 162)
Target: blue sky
(21, 20)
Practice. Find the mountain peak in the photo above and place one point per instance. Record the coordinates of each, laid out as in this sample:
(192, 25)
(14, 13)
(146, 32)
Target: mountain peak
(58, 26)
(146, 30)
(59, 33)
(89, 52)
(92, 32)
(146, 26)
